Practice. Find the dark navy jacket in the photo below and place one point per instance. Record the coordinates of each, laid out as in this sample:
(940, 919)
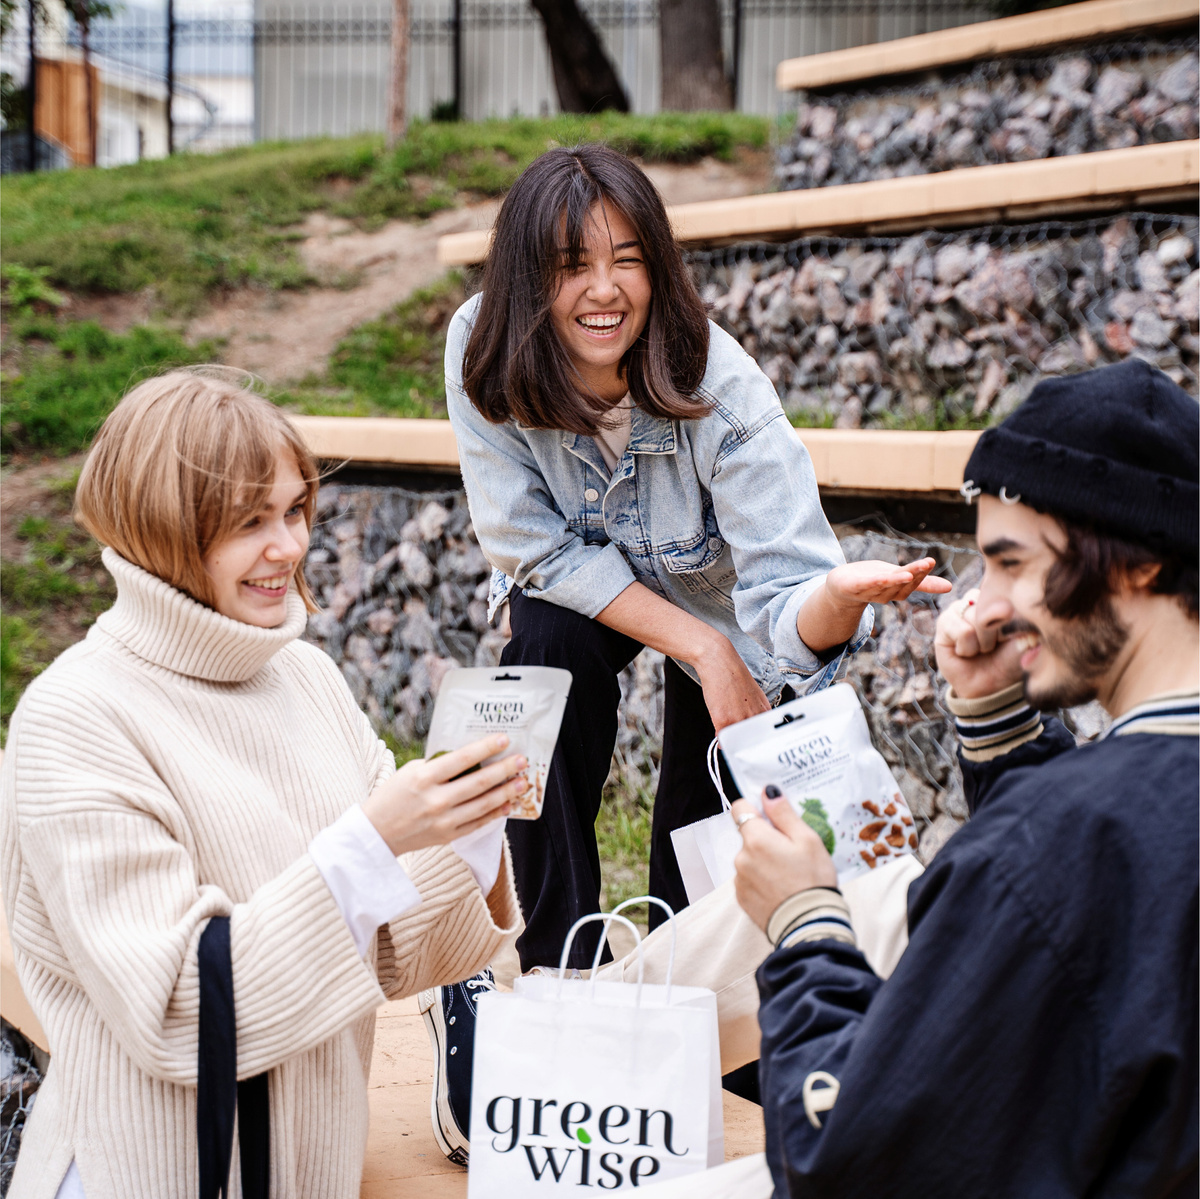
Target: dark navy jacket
(1039, 1036)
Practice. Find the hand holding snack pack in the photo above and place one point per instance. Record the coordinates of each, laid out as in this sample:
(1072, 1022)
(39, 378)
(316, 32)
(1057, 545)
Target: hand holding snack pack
(817, 750)
(524, 702)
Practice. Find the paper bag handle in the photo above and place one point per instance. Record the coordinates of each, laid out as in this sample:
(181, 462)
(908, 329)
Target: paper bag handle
(714, 773)
(666, 907)
(590, 919)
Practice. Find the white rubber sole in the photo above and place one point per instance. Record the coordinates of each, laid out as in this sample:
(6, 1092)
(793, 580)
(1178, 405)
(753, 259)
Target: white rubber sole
(451, 1143)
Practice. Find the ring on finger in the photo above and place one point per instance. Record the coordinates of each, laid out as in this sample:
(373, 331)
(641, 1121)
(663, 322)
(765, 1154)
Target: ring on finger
(744, 817)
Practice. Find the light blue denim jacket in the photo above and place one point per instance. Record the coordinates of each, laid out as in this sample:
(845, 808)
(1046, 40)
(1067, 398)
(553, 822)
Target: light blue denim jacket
(720, 516)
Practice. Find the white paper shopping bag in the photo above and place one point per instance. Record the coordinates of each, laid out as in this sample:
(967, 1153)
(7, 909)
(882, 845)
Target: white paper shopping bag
(704, 850)
(581, 1083)
(675, 996)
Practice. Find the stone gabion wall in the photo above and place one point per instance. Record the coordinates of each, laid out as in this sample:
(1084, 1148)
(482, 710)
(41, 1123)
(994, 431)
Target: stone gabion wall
(942, 329)
(403, 587)
(1109, 95)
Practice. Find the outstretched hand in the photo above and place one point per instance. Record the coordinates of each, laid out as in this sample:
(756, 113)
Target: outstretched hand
(882, 582)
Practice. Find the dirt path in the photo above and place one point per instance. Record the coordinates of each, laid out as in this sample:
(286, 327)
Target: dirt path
(289, 334)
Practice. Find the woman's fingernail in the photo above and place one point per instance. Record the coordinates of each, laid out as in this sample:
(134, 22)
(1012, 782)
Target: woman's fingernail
(521, 763)
(772, 791)
(501, 740)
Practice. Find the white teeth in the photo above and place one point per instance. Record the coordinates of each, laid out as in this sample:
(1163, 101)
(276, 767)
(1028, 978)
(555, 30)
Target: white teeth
(601, 322)
(1028, 642)
(268, 584)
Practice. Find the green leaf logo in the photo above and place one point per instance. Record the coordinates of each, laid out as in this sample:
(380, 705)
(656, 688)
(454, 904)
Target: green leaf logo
(584, 1139)
(815, 816)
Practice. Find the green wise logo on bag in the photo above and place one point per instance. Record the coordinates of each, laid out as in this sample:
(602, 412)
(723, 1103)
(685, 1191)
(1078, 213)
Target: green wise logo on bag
(530, 1124)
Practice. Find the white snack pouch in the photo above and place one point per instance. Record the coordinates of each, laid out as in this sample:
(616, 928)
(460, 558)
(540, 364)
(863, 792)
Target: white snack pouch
(817, 750)
(526, 702)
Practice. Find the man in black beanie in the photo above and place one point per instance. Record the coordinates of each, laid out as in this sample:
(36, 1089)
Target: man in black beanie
(1039, 1036)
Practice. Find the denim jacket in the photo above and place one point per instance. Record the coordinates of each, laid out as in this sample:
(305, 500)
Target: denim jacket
(719, 516)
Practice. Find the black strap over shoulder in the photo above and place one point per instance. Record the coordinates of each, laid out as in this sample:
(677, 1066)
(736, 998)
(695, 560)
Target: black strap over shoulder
(218, 1093)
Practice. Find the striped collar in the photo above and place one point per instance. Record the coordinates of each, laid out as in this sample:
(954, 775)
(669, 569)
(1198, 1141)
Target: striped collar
(1177, 715)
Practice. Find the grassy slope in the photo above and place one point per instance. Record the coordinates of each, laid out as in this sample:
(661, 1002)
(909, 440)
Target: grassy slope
(52, 583)
(188, 227)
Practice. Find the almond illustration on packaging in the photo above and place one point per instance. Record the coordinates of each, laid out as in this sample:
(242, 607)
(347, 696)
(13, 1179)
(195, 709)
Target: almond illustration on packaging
(524, 702)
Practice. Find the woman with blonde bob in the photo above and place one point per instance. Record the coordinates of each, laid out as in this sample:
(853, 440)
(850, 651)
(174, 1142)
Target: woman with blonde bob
(193, 758)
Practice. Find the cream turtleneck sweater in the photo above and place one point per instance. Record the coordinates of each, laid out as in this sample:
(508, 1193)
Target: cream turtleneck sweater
(173, 766)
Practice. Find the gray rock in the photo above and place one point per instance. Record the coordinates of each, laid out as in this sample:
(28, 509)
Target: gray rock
(952, 263)
(1174, 250)
(1114, 89)
(431, 521)
(864, 366)
(418, 570)
(1069, 78)
(1149, 329)
(419, 631)
(1180, 81)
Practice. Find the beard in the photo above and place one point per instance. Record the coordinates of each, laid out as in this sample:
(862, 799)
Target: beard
(1085, 649)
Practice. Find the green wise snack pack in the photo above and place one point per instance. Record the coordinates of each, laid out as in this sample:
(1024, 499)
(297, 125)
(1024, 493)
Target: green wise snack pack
(525, 702)
(817, 750)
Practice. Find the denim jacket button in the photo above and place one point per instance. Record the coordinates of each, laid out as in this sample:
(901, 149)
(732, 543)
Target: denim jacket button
(714, 545)
(591, 495)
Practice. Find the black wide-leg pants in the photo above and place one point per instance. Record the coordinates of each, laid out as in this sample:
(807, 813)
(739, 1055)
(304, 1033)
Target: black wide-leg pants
(555, 859)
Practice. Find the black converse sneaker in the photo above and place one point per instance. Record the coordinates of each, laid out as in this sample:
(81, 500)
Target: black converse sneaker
(449, 1014)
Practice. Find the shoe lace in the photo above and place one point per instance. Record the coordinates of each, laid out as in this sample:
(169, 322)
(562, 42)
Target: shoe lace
(484, 981)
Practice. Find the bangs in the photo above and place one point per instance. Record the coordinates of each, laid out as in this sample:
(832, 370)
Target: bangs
(180, 464)
(514, 367)
(567, 251)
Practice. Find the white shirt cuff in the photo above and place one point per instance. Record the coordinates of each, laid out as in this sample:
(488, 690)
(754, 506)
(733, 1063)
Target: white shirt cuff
(482, 850)
(365, 878)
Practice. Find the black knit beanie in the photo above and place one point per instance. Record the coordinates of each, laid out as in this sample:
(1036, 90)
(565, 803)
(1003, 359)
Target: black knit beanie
(1115, 448)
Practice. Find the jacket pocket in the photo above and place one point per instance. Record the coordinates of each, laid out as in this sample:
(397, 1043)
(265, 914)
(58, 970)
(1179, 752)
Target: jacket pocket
(698, 548)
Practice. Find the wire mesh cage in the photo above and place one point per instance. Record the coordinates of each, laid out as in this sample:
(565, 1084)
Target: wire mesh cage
(22, 1069)
(404, 586)
(946, 328)
(1104, 96)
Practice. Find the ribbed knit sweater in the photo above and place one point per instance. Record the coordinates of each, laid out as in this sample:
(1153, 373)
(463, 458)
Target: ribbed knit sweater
(171, 767)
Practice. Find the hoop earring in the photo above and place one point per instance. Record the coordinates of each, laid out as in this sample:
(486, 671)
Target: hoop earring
(1005, 498)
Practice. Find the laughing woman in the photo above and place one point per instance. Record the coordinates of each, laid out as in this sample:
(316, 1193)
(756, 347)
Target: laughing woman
(634, 482)
(191, 759)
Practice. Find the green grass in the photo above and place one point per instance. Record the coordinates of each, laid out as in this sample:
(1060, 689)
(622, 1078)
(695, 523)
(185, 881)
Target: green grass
(623, 839)
(391, 366)
(62, 378)
(189, 225)
(51, 594)
(22, 656)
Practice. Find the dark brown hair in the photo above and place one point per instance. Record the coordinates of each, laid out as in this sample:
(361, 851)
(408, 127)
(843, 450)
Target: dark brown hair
(1091, 565)
(514, 366)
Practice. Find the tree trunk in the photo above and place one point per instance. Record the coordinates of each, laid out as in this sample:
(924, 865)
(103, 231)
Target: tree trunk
(584, 77)
(89, 85)
(693, 66)
(398, 88)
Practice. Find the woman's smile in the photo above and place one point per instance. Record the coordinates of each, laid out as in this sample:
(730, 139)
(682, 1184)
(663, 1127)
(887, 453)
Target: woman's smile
(601, 324)
(271, 586)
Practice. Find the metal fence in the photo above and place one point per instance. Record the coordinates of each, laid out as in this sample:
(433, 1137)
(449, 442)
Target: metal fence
(203, 74)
